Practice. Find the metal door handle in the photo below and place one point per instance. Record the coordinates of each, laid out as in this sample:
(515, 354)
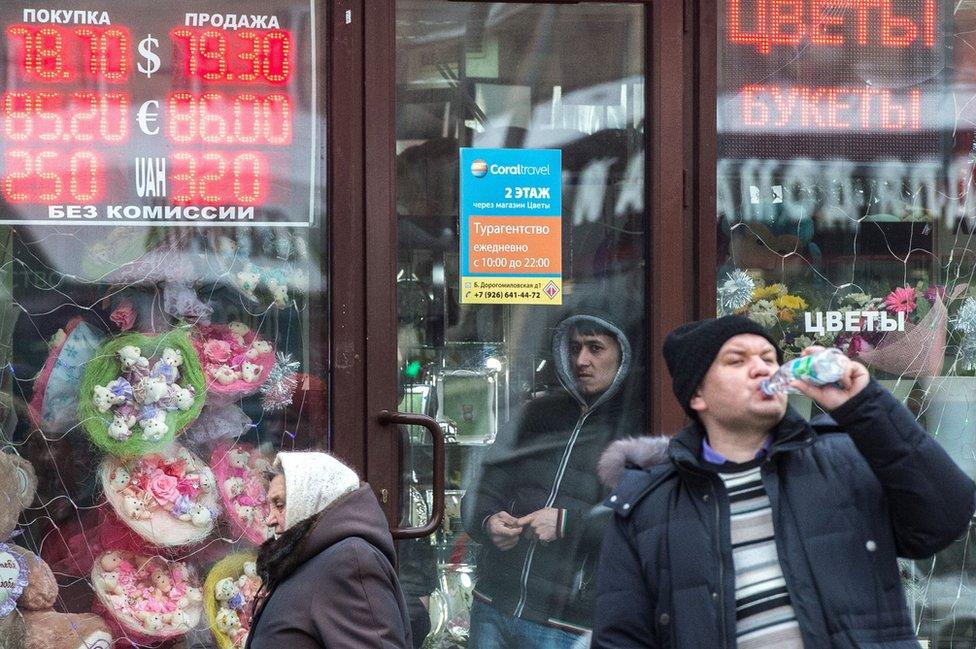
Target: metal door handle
(437, 435)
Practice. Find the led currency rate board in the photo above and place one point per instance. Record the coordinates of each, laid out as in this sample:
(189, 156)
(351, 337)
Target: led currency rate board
(159, 113)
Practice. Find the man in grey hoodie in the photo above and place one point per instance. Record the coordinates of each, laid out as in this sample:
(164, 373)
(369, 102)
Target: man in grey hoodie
(532, 508)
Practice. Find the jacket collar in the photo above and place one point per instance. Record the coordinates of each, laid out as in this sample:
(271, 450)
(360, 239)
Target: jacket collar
(791, 433)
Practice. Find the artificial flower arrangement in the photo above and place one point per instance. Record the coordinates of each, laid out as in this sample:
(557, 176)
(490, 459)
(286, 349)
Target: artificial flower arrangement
(919, 348)
(140, 391)
(148, 599)
(229, 594)
(54, 406)
(771, 306)
(240, 474)
(168, 498)
(235, 359)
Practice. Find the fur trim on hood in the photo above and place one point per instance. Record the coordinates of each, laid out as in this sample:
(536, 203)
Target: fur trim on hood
(640, 452)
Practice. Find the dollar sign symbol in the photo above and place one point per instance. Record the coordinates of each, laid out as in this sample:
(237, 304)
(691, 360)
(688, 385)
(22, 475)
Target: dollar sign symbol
(146, 47)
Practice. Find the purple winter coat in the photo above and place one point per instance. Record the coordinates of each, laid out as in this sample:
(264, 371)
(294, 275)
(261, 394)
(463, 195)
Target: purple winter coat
(344, 593)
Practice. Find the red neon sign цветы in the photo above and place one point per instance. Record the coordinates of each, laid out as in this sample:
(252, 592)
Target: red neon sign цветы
(767, 23)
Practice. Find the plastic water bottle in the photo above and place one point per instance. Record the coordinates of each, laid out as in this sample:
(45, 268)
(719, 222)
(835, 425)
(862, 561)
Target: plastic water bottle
(819, 369)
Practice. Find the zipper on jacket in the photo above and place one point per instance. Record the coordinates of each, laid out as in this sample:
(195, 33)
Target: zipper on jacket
(721, 562)
(557, 481)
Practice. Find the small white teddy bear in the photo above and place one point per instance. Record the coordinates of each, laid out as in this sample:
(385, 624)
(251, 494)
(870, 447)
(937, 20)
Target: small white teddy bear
(154, 429)
(177, 619)
(258, 348)
(119, 429)
(182, 398)
(103, 398)
(227, 621)
(238, 330)
(233, 487)
(120, 478)
(135, 508)
(172, 356)
(151, 389)
(110, 584)
(201, 517)
(238, 458)
(132, 359)
(151, 621)
(225, 589)
(225, 375)
(280, 296)
(248, 281)
(251, 372)
(244, 512)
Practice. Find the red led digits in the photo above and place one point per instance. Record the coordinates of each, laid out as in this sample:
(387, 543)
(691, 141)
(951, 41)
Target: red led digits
(218, 178)
(215, 118)
(837, 108)
(65, 54)
(49, 176)
(50, 116)
(226, 56)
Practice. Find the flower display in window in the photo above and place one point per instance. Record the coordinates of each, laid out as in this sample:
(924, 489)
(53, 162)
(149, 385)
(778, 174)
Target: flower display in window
(229, 594)
(148, 598)
(235, 360)
(139, 391)
(168, 498)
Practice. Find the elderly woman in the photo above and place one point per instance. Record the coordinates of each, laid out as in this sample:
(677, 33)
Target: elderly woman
(328, 576)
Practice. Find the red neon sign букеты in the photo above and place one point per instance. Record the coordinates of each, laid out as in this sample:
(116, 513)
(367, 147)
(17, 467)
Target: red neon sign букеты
(765, 24)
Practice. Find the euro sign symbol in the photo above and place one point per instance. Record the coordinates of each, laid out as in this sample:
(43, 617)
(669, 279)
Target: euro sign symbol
(146, 47)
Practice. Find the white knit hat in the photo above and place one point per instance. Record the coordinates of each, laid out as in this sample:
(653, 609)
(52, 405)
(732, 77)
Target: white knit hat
(312, 482)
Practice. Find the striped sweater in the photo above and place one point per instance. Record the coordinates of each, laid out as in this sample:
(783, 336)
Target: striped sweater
(764, 615)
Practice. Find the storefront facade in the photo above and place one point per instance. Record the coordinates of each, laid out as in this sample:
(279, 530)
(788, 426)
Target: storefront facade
(353, 226)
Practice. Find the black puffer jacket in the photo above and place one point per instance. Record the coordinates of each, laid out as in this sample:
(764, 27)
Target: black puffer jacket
(845, 506)
(546, 457)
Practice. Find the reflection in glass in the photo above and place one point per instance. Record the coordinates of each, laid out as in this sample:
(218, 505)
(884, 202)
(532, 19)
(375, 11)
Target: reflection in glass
(845, 217)
(527, 77)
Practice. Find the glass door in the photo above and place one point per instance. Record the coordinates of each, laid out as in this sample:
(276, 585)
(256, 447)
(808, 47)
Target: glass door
(521, 250)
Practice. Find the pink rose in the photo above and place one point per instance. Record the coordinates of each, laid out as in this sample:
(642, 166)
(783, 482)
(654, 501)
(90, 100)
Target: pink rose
(124, 315)
(217, 351)
(163, 488)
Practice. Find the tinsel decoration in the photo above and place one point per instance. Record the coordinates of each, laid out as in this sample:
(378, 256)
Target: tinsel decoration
(736, 291)
(966, 317)
(967, 352)
(277, 391)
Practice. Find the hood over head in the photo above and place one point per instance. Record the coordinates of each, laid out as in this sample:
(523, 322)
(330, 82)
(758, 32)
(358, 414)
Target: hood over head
(561, 340)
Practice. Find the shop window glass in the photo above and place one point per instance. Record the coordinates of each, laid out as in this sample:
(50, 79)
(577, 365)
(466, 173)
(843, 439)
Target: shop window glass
(845, 215)
(162, 301)
(502, 79)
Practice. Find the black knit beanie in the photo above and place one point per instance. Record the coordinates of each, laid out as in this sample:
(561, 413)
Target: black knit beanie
(690, 349)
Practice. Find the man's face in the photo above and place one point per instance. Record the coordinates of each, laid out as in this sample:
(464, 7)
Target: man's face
(276, 502)
(595, 359)
(730, 395)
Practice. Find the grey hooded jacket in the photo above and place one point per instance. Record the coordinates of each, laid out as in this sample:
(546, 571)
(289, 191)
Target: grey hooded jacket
(546, 457)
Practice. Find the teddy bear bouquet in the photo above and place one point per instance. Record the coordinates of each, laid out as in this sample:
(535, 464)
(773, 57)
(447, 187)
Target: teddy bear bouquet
(229, 593)
(168, 498)
(235, 360)
(139, 391)
(148, 599)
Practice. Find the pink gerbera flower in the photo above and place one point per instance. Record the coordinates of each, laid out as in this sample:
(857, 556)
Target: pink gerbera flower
(901, 300)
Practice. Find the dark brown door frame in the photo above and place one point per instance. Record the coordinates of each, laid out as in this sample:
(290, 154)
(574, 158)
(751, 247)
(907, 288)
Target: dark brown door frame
(680, 208)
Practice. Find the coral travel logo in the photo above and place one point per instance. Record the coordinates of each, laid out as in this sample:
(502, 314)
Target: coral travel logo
(479, 168)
